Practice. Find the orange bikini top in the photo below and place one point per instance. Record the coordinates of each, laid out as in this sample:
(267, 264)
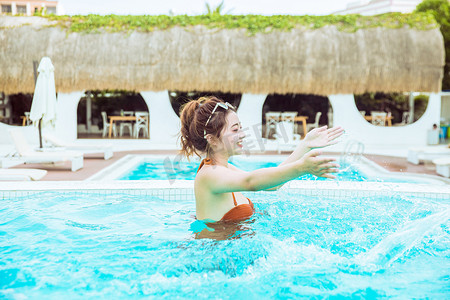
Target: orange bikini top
(238, 212)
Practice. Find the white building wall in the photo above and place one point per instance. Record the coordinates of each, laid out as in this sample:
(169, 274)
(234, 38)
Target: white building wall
(164, 122)
(445, 107)
(66, 115)
(346, 114)
(60, 9)
(379, 7)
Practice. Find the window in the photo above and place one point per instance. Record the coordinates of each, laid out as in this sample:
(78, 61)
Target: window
(6, 8)
(22, 9)
(51, 10)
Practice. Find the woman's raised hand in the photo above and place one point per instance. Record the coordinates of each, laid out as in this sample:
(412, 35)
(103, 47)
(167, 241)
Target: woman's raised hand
(319, 166)
(323, 136)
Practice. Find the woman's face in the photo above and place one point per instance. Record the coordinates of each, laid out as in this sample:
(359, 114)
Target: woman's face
(232, 135)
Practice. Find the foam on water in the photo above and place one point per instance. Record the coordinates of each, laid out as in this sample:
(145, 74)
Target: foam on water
(75, 245)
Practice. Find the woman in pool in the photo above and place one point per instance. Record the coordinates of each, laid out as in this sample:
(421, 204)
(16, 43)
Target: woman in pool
(211, 127)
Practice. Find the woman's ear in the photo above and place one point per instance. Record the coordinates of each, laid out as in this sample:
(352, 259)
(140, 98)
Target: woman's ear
(210, 139)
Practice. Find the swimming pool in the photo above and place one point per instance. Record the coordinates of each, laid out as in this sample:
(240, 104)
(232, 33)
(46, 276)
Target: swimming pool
(160, 167)
(311, 239)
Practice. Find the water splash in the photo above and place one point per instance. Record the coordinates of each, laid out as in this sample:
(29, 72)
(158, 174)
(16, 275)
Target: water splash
(392, 247)
(351, 154)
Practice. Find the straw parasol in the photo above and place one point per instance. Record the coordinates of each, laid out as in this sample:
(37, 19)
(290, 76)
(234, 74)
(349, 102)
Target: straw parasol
(43, 107)
(315, 61)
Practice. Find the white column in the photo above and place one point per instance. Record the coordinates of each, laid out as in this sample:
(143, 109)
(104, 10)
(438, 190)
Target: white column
(66, 115)
(250, 115)
(164, 122)
(13, 8)
(29, 12)
(88, 113)
(411, 107)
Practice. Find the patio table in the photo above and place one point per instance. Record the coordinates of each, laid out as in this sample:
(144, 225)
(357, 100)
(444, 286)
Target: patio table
(302, 119)
(24, 120)
(113, 119)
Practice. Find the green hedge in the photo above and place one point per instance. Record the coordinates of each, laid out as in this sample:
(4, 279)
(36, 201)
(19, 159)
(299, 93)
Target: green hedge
(252, 23)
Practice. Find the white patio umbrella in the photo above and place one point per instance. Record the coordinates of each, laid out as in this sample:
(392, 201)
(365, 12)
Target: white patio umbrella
(43, 107)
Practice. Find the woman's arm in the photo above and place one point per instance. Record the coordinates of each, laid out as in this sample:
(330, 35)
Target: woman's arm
(316, 138)
(220, 179)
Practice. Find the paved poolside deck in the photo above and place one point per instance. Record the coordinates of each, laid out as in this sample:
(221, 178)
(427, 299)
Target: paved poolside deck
(93, 164)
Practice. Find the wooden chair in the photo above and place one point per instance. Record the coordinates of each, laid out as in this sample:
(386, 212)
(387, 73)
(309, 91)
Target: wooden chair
(125, 124)
(272, 119)
(378, 118)
(106, 125)
(405, 119)
(316, 122)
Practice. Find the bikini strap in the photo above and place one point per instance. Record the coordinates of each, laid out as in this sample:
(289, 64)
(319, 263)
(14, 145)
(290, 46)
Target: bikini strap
(234, 199)
(206, 161)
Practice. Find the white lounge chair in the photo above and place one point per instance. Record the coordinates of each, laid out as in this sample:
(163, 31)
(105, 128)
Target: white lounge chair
(21, 174)
(443, 166)
(286, 139)
(105, 149)
(29, 156)
(417, 155)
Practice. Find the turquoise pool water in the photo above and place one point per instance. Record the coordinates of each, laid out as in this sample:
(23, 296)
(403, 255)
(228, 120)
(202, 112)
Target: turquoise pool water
(91, 245)
(159, 169)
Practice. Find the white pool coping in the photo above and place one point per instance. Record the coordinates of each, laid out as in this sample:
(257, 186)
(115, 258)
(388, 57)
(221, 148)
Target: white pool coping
(366, 166)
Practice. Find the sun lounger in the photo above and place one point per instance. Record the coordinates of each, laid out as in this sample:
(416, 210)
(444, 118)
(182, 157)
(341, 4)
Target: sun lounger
(26, 154)
(105, 149)
(443, 166)
(21, 174)
(416, 155)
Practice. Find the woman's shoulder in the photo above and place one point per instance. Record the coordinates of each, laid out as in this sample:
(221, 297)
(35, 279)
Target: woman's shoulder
(215, 172)
(208, 176)
(207, 170)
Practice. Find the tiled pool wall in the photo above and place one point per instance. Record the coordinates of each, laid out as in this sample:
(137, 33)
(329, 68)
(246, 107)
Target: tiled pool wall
(184, 190)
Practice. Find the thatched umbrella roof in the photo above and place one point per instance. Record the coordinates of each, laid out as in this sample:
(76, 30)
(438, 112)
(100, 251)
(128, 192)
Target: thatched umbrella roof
(318, 61)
